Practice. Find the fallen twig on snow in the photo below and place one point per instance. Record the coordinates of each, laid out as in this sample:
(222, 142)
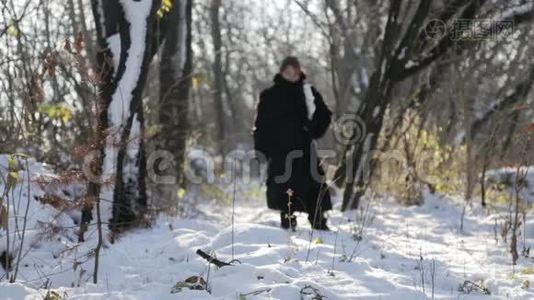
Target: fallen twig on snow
(469, 287)
(255, 293)
(212, 259)
(309, 290)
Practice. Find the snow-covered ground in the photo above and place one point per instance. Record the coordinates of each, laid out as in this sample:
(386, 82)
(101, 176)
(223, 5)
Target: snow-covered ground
(400, 253)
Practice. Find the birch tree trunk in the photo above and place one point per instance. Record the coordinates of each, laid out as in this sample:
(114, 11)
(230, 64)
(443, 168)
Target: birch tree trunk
(124, 34)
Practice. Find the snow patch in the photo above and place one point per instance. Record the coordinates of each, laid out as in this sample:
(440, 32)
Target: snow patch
(410, 64)
(385, 261)
(114, 45)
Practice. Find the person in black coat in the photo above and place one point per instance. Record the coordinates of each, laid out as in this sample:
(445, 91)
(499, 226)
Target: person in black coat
(290, 115)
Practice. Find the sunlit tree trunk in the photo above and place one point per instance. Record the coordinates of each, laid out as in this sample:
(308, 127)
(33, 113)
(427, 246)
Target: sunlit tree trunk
(218, 75)
(175, 81)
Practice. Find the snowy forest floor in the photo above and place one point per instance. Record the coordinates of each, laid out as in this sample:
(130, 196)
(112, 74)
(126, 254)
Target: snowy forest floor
(400, 253)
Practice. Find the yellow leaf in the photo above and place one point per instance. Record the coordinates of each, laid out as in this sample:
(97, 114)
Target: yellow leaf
(165, 7)
(12, 30)
(12, 178)
(181, 193)
(318, 241)
(195, 81)
(14, 175)
(53, 295)
(11, 164)
(66, 114)
(56, 111)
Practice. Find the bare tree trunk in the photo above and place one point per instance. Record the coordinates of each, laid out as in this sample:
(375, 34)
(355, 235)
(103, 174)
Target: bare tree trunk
(372, 113)
(218, 73)
(470, 168)
(405, 51)
(89, 42)
(175, 81)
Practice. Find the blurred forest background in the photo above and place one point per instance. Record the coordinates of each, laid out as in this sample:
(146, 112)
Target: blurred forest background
(442, 89)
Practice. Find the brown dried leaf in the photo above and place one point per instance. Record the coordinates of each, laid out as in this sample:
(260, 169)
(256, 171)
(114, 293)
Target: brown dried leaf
(67, 45)
(36, 90)
(50, 65)
(78, 43)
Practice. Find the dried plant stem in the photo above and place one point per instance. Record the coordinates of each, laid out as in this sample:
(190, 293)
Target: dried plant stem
(233, 210)
(19, 256)
(100, 240)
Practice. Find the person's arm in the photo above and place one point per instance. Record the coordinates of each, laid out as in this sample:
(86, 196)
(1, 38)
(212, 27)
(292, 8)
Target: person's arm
(261, 125)
(321, 117)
